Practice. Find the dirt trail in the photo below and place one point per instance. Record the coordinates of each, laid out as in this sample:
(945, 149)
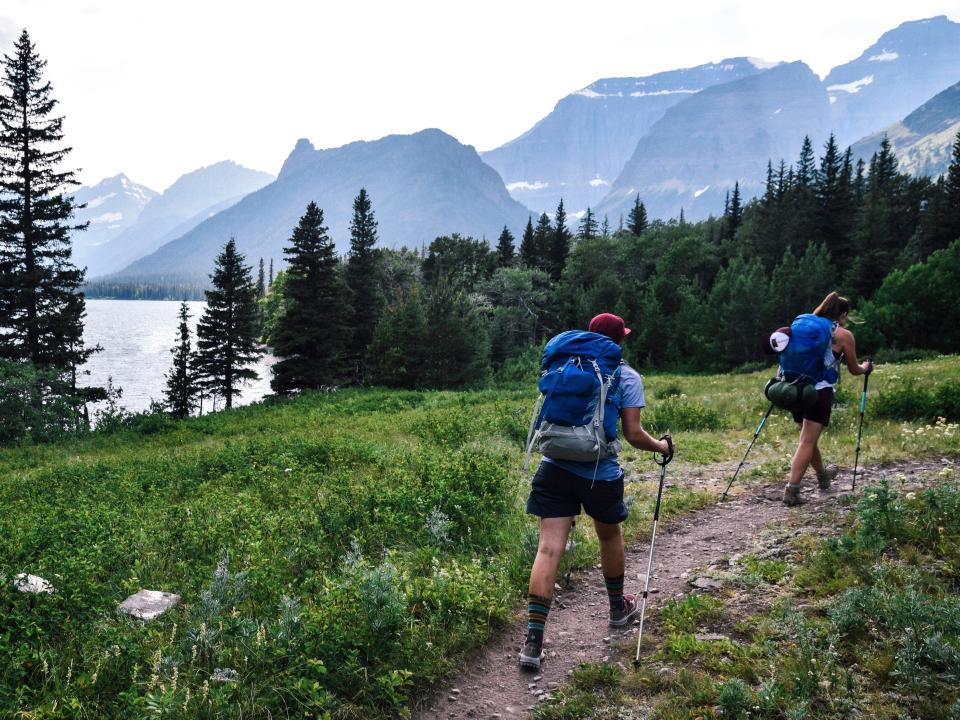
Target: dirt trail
(491, 684)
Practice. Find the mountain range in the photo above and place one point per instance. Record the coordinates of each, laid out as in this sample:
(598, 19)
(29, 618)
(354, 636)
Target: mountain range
(680, 139)
(422, 186)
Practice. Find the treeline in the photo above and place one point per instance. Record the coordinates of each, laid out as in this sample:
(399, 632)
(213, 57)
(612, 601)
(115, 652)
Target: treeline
(128, 288)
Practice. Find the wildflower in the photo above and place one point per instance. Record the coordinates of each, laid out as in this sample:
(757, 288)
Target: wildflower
(45, 668)
(69, 672)
(154, 679)
(173, 681)
(193, 654)
(911, 495)
(224, 675)
(205, 690)
(203, 630)
(186, 700)
(96, 674)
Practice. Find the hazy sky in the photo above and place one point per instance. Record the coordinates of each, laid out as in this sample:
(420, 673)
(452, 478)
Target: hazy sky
(156, 89)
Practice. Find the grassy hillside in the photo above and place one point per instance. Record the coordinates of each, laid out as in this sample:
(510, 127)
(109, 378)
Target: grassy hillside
(337, 552)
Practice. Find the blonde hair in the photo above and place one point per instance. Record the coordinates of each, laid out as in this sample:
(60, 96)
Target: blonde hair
(833, 306)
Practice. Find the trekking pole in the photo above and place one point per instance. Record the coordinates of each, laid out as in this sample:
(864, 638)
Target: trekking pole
(571, 546)
(662, 462)
(755, 435)
(863, 408)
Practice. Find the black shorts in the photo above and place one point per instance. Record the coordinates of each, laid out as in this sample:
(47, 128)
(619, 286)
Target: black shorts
(820, 412)
(558, 493)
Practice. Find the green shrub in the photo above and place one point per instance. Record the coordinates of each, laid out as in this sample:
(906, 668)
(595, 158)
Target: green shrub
(679, 413)
(686, 615)
(913, 402)
(735, 699)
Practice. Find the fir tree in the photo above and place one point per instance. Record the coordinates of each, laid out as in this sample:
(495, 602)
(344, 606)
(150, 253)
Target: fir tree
(181, 391)
(311, 337)
(261, 284)
(637, 219)
(588, 226)
(942, 224)
(270, 276)
(42, 308)
(559, 247)
(365, 281)
(605, 227)
(528, 249)
(505, 251)
(734, 214)
(227, 331)
(542, 236)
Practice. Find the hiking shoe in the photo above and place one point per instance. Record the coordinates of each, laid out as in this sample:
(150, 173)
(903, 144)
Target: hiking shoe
(532, 655)
(619, 618)
(829, 473)
(791, 495)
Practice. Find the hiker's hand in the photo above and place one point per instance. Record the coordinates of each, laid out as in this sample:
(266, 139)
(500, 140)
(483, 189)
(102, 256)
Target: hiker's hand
(666, 449)
(867, 366)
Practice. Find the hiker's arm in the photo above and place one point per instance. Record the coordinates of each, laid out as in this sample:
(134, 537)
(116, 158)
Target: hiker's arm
(849, 346)
(638, 437)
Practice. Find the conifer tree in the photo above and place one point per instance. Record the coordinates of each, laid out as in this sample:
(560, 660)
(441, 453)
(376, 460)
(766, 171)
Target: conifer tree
(42, 307)
(542, 236)
(311, 339)
(559, 247)
(734, 212)
(261, 284)
(588, 226)
(270, 277)
(605, 227)
(528, 249)
(227, 331)
(637, 219)
(181, 390)
(505, 251)
(364, 277)
(942, 224)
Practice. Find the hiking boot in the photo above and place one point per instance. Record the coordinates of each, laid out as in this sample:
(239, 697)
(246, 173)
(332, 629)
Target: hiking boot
(619, 618)
(829, 473)
(532, 655)
(791, 495)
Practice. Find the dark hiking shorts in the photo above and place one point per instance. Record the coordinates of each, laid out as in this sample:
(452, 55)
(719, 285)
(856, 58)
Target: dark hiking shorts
(558, 493)
(820, 412)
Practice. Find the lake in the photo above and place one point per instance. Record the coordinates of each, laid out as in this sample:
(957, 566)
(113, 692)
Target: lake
(136, 336)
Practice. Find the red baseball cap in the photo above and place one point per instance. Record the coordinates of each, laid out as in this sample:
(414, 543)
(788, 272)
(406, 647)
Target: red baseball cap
(610, 325)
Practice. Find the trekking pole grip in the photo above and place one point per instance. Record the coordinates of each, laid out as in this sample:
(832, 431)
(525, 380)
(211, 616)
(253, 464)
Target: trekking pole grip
(665, 459)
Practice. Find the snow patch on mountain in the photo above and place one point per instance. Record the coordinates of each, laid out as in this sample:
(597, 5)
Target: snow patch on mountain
(110, 217)
(99, 200)
(700, 192)
(588, 93)
(679, 91)
(885, 56)
(851, 87)
(761, 64)
(598, 182)
(524, 185)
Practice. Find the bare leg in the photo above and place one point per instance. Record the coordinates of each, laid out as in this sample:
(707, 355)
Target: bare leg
(809, 434)
(817, 462)
(611, 549)
(553, 540)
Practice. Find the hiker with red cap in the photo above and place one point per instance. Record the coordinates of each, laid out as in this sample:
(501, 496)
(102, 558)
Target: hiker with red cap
(585, 390)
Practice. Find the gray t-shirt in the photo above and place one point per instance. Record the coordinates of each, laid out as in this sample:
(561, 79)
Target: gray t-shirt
(630, 390)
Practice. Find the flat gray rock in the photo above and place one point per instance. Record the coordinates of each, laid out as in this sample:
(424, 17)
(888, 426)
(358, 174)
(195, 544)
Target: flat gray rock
(149, 604)
(705, 583)
(32, 584)
(710, 637)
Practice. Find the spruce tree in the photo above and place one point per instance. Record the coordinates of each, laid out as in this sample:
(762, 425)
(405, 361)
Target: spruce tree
(42, 308)
(227, 331)
(364, 277)
(270, 276)
(261, 283)
(734, 212)
(505, 251)
(605, 227)
(942, 224)
(181, 390)
(559, 247)
(588, 226)
(311, 340)
(528, 250)
(542, 236)
(637, 219)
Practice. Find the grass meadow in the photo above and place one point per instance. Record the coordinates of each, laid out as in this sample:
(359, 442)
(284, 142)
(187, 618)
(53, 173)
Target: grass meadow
(338, 553)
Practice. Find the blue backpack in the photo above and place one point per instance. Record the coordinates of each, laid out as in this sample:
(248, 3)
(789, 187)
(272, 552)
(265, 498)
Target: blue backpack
(578, 410)
(804, 358)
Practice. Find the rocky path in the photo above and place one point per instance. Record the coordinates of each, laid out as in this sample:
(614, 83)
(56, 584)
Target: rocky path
(491, 684)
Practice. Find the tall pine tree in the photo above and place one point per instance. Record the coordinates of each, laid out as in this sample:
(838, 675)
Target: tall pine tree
(181, 391)
(505, 250)
(528, 249)
(542, 236)
(228, 330)
(42, 308)
(364, 277)
(559, 244)
(637, 219)
(261, 282)
(588, 226)
(311, 340)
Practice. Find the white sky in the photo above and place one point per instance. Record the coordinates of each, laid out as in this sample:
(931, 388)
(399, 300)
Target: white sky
(156, 89)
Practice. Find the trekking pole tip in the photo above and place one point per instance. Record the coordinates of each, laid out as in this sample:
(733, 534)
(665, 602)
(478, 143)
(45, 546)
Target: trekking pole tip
(636, 664)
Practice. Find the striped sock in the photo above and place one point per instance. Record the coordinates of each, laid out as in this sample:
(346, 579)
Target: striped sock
(614, 591)
(537, 609)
